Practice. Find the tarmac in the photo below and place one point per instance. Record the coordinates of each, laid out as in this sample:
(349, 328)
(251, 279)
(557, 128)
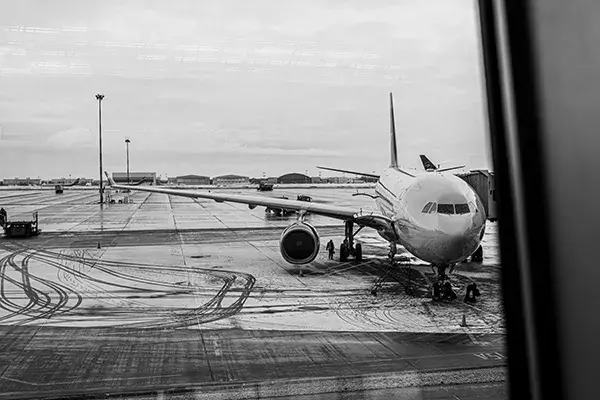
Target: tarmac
(184, 297)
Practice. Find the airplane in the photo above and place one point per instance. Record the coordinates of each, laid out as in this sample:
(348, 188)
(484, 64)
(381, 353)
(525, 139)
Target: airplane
(430, 167)
(436, 217)
(75, 182)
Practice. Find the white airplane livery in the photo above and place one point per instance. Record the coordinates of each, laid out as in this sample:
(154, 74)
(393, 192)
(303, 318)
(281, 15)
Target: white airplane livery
(437, 217)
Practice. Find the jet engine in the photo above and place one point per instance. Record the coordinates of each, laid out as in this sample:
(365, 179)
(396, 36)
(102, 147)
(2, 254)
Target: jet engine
(299, 243)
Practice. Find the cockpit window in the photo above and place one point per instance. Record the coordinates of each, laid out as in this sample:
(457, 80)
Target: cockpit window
(445, 208)
(433, 208)
(462, 208)
(427, 207)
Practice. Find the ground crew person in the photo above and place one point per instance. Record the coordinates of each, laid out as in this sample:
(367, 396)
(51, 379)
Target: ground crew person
(472, 292)
(331, 248)
(3, 217)
(478, 255)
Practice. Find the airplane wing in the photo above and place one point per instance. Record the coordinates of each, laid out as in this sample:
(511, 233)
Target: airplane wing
(368, 219)
(73, 183)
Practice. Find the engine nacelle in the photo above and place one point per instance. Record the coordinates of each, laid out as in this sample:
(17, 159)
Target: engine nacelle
(299, 243)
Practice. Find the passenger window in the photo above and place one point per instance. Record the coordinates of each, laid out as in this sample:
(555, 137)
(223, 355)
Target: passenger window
(433, 208)
(445, 208)
(461, 208)
(427, 207)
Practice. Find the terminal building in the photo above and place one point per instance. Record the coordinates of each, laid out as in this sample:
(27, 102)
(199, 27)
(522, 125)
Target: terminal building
(294, 178)
(134, 177)
(270, 179)
(482, 181)
(66, 181)
(230, 179)
(192, 180)
(21, 181)
(339, 179)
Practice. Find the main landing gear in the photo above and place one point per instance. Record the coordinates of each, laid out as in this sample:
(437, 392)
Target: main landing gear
(347, 248)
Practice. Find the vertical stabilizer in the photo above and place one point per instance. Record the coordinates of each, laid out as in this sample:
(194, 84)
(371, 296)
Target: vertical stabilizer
(394, 152)
(427, 164)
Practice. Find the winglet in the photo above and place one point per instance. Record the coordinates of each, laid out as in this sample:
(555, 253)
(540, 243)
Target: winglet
(393, 148)
(110, 180)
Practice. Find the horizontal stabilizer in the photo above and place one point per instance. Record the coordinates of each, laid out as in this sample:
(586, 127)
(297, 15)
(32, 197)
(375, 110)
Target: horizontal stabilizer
(350, 172)
(451, 168)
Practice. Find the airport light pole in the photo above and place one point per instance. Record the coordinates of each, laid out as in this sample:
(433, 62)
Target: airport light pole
(99, 97)
(127, 143)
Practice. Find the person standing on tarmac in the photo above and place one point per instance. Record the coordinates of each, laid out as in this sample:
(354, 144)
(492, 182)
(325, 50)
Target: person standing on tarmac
(330, 248)
(2, 216)
(478, 255)
(472, 293)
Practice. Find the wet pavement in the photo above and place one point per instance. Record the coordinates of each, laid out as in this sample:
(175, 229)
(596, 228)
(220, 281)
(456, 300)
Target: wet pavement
(97, 361)
(169, 270)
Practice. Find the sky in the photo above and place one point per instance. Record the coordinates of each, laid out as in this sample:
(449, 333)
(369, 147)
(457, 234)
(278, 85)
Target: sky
(220, 87)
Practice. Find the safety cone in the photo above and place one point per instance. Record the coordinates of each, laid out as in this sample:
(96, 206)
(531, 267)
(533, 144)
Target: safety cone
(464, 321)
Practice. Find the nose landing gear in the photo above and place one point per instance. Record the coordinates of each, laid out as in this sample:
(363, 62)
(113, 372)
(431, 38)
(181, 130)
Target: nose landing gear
(442, 288)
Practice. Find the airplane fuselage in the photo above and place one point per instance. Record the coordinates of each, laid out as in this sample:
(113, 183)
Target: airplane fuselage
(438, 218)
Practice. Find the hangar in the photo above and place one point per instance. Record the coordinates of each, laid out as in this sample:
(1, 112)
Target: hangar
(294, 178)
(230, 179)
(193, 180)
(134, 177)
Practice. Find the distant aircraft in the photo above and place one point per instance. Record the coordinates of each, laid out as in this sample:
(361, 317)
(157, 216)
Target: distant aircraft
(75, 182)
(429, 166)
(437, 217)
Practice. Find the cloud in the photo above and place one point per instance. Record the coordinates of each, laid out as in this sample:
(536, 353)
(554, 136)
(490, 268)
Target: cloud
(73, 138)
(276, 81)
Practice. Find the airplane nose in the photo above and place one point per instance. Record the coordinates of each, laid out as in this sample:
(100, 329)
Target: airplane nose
(457, 247)
(460, 237)
(454, 225)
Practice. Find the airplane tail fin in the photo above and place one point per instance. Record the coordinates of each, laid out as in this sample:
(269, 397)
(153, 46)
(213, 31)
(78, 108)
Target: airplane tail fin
(427, 164)
(111, 182)
(393, 148)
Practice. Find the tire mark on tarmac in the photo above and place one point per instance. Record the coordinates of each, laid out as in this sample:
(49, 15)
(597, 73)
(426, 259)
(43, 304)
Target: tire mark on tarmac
(42, 305)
